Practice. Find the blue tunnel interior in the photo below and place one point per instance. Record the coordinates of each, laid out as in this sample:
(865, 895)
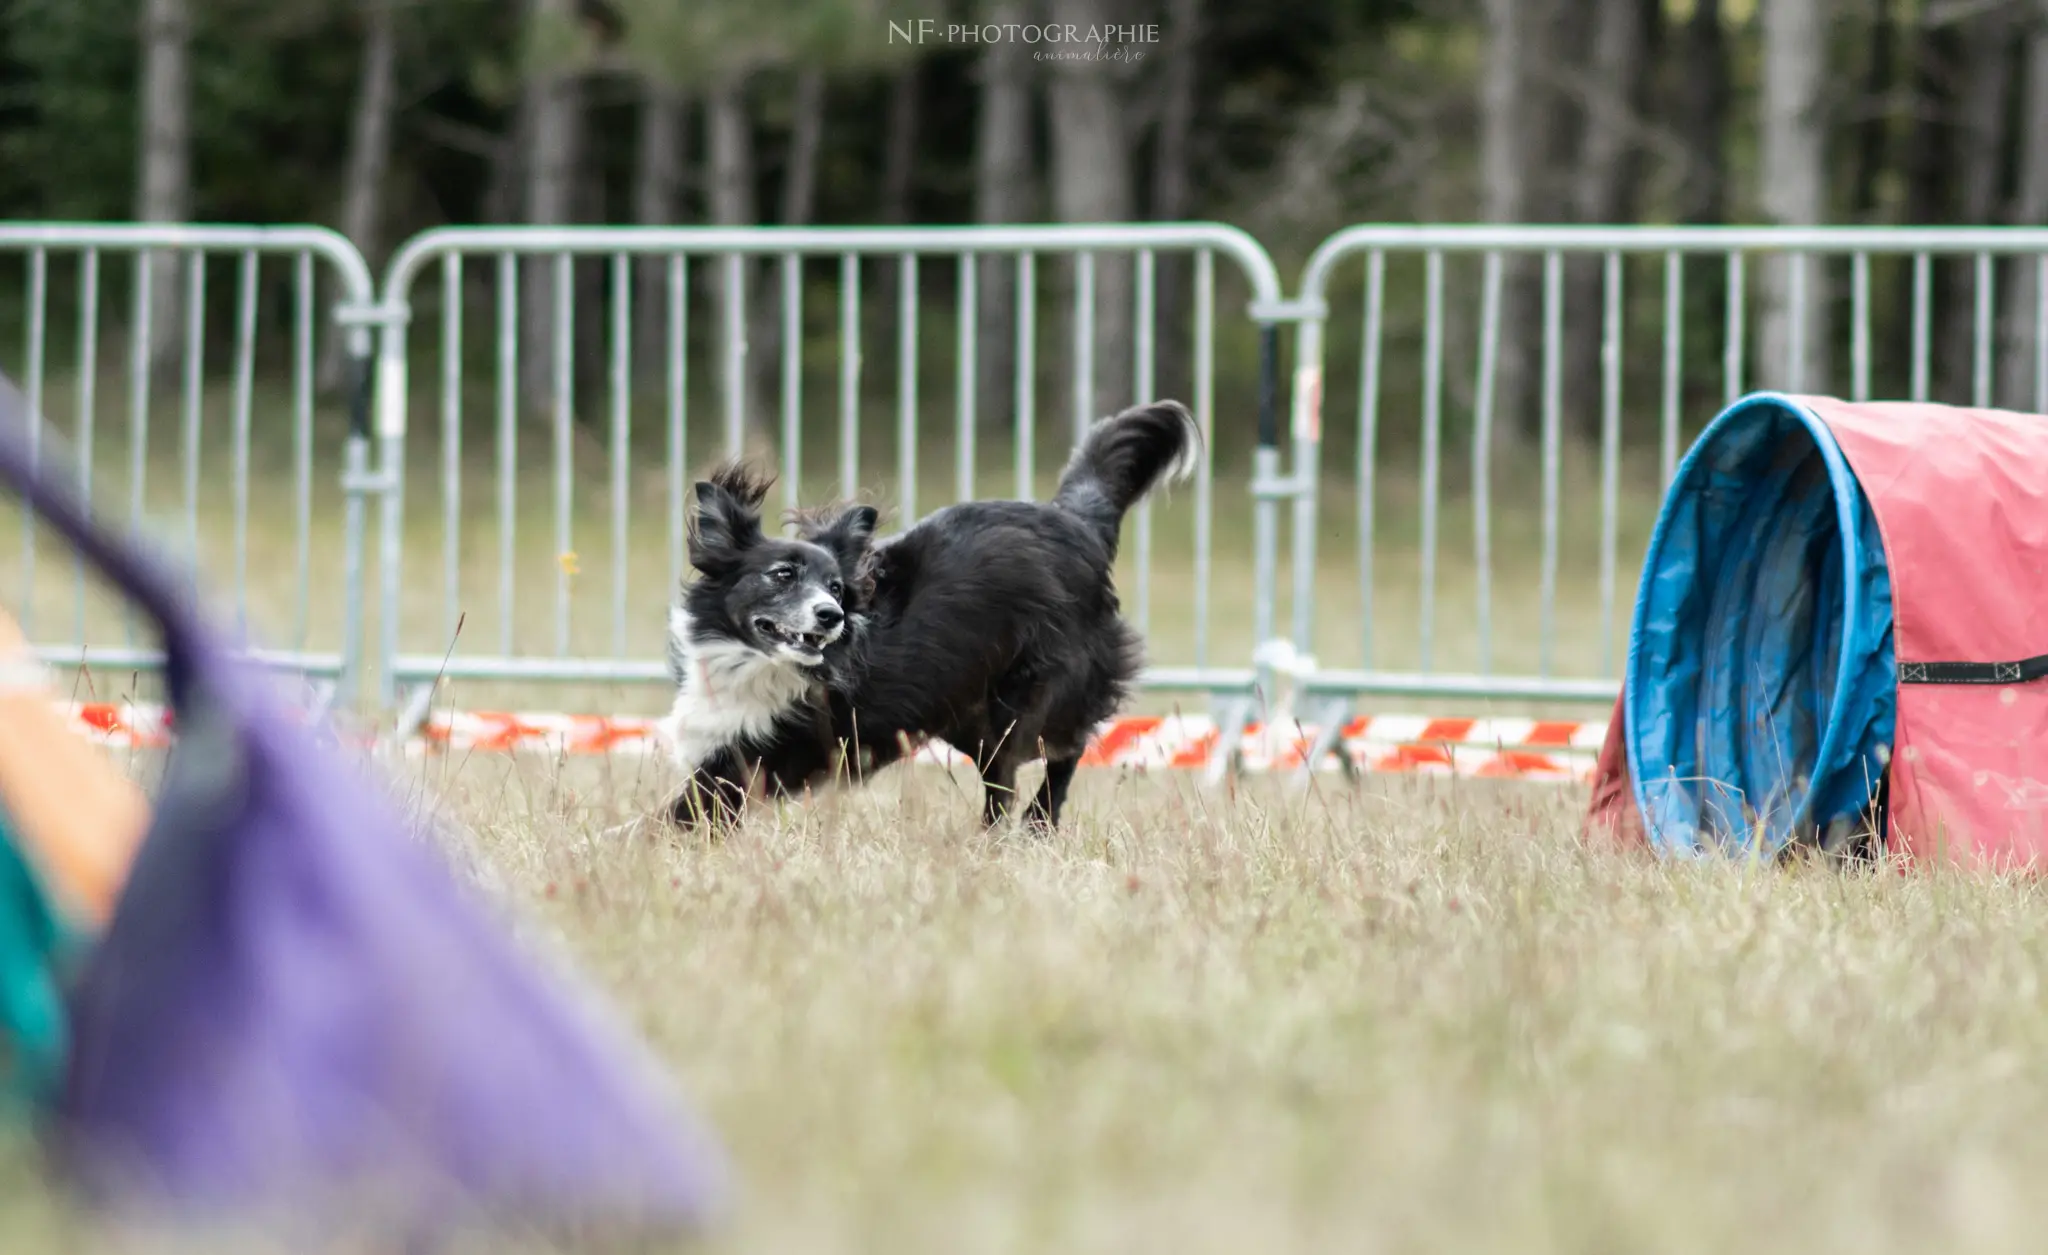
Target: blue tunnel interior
(1759, 699)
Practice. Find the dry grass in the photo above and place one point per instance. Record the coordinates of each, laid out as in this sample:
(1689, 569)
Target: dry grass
(1397, 1018)
(1403, 1018)
(1400, 1018)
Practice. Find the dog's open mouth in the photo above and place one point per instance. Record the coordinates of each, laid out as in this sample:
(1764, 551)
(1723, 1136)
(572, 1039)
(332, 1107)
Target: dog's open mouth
(799, 642)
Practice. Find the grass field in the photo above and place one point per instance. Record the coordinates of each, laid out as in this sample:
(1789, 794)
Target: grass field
(1403, 1018)
(1409, 1016)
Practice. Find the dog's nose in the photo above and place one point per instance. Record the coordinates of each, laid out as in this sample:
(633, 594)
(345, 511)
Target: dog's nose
(829, 616)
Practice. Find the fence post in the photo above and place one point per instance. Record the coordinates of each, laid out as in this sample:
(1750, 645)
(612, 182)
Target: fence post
(376, 415)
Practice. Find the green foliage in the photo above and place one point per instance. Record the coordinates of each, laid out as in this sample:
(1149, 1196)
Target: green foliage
(686, 43)
(71, 153)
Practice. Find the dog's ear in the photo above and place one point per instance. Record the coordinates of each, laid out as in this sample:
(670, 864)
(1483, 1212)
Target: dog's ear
(722, 527)
(848, 537)
(851, 531)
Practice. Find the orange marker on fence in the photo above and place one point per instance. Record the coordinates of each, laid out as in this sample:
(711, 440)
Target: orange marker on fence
(79, 818)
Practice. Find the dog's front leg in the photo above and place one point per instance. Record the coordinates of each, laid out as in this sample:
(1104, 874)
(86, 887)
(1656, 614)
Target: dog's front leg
(1044, 812)
(998, 788)
(716, 793)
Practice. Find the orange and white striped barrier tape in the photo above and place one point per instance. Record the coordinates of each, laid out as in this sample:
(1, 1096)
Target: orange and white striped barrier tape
(1525, 749)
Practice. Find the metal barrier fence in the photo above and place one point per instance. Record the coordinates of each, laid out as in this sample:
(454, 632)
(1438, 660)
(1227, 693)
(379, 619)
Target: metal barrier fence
(1479, 350)
(538, 638)
(296, 269)
(1772, 312)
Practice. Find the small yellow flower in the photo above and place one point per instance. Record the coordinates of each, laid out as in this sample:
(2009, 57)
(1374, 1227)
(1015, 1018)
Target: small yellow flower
(569, 564)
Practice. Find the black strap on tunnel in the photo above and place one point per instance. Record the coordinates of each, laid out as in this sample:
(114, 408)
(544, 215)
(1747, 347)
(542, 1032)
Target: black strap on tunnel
(2025, 671)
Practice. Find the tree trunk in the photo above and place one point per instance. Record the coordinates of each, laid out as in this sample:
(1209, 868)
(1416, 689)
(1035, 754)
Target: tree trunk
(1092, 182)
(165, 194)
(1702, 113)
(729, 156)
(369, 155)
(800, 185)
(1505, 137)
(555, 104)
(1604, 191)
(1173, 191)
(799, 194)
(1926, 162)
(1980, 146)
(1793, 169)
(899, 155)
(1879, 76)
(2021, 387)
(899, 163)
(657, 202)
(1002, 191)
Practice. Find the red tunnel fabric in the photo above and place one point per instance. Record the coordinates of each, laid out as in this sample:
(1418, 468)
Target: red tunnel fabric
(1961, 498)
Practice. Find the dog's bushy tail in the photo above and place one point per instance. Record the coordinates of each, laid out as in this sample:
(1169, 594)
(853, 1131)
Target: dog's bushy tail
(1123, 458)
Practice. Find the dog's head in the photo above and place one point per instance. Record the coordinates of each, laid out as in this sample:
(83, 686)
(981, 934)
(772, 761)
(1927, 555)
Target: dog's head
(784, 598)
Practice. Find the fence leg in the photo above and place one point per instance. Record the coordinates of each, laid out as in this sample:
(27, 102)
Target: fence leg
(1225, 758)
(356, 483)
(413, 715)
(1329, 740)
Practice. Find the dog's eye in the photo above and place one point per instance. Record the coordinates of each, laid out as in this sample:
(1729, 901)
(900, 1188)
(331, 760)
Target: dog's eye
(835, 588)
(782, 574)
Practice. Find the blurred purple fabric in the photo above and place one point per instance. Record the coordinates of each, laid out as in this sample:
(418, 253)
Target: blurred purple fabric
(298, 1010)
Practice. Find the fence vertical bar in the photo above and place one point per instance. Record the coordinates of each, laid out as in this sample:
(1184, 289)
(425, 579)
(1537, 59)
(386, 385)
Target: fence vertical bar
(244, 400)
(849, 375)
(622, 437)
(140, 340)
(1205, 407)
(565, 448)
(1795, 345)
(1027, 376)
(302, 441)
(678, 406)
(508, 445)
(1859, 325)
(451, 445)
(1265, 472)
(2041, 334)
(1732, 336)
(1674, 364)
(1432, 442)
(906, 388)
(1084, 344)
(1923, 287)
(195, 358)
(792, 379)
(1482, 459)
(1553, 413)
(88, 386)
(735, 355)
(1981, 337)
(965, 325)
(1142, 371)
(38, 308)
(1610, 452)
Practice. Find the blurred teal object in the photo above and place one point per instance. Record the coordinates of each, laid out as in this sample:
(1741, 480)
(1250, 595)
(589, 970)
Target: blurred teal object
(33, 1029)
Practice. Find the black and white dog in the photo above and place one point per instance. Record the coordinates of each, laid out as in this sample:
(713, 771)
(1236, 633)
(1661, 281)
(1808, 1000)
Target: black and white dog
(991, 625)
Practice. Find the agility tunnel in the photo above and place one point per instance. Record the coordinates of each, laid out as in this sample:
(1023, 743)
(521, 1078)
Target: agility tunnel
(1841, 628)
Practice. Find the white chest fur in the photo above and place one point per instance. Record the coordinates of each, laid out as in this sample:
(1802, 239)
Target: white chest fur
(729, 693)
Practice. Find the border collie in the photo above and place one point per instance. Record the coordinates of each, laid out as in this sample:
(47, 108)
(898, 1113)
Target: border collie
(991, 625)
